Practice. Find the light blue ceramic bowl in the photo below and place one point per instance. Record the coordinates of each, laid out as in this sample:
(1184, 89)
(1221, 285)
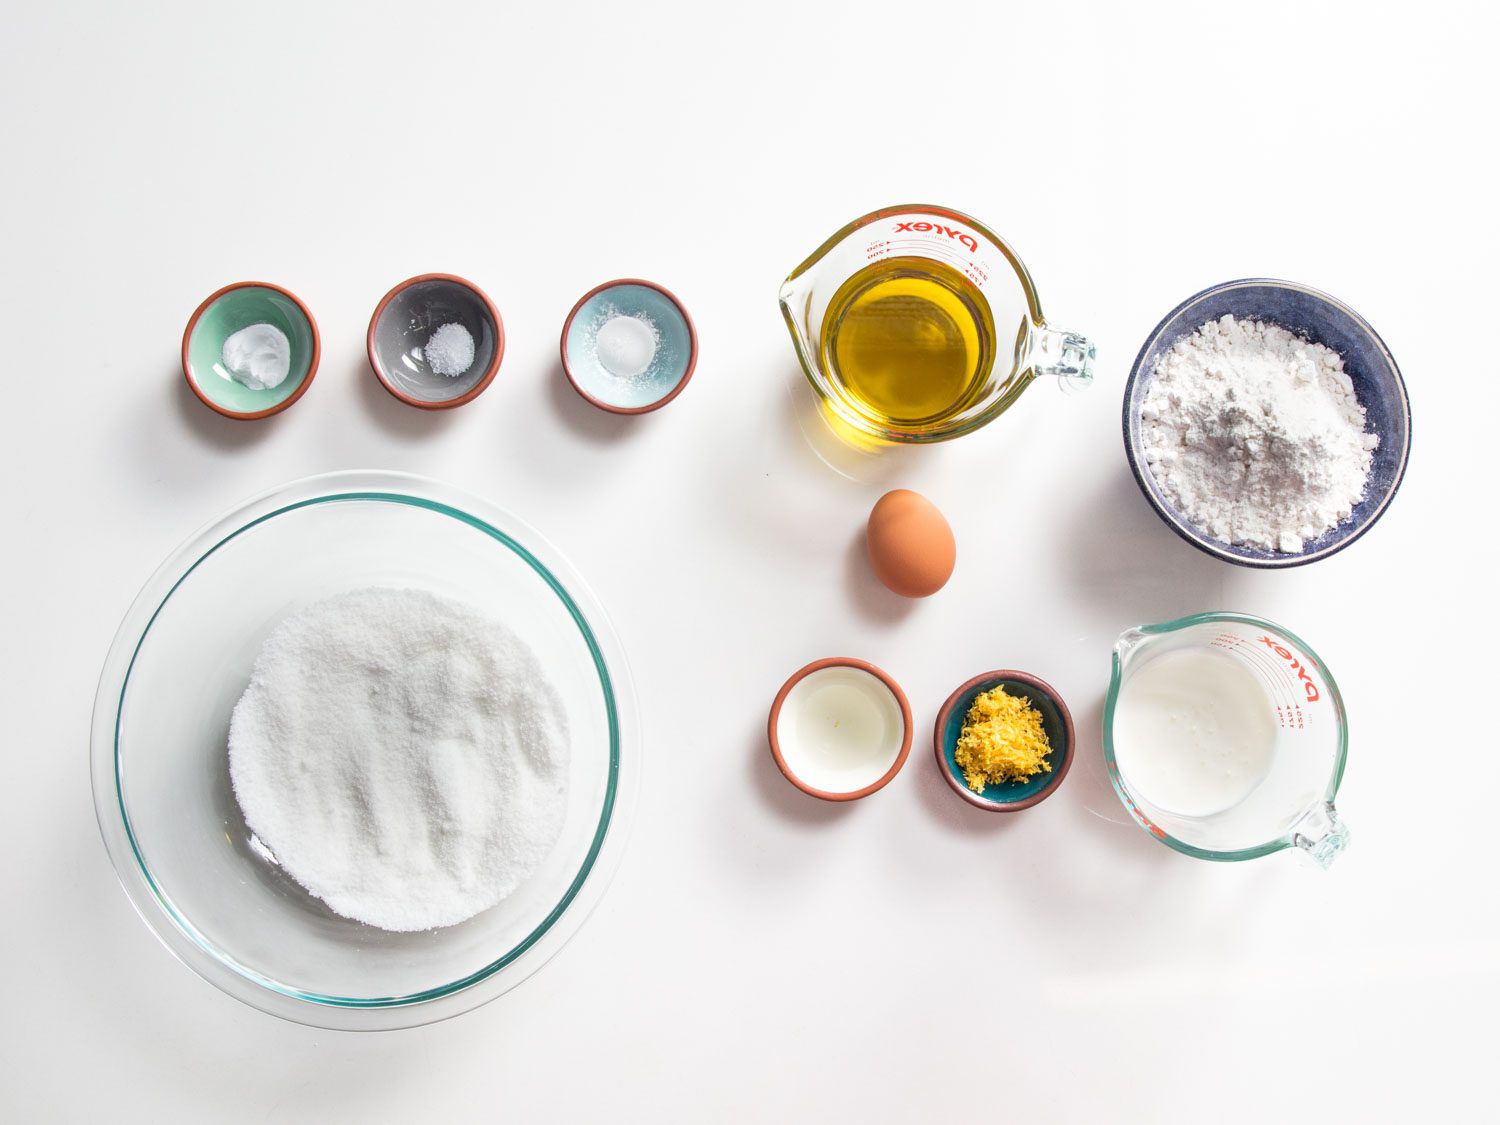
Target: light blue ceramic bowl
(1324, 320)
(671, 367)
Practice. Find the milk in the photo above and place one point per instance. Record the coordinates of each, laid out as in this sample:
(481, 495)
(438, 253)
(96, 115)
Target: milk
(840, 729)
(1194, 732)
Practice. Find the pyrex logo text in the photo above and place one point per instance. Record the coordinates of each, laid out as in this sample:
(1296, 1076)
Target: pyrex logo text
(966, 239)
(1310, 688)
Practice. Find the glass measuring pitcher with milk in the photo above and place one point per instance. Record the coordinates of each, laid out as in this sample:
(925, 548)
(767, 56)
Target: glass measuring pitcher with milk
(1225, 737)
(919, 324)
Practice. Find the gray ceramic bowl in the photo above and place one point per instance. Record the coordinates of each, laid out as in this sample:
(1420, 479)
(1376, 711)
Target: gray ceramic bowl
(1317, 317)
(406, 318)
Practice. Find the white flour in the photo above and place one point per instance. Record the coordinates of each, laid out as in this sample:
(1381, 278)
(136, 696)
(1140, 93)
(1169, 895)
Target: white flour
(402, 755)
(1255, 434)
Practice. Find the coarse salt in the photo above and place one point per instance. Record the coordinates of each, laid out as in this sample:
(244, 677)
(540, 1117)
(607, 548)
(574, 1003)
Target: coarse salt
(449, 350)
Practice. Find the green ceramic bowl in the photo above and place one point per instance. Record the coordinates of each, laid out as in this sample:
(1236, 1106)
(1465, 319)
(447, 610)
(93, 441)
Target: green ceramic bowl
(1057, 721)
(225, 313)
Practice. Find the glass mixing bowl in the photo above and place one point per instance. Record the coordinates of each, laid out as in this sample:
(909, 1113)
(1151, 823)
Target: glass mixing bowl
(182, 658)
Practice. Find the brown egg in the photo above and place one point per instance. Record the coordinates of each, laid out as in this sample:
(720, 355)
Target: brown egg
(911, 544)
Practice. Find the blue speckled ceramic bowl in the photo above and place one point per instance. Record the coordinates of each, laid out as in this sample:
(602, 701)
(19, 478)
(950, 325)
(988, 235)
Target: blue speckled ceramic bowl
(670, 368)
(1323, 320)
(1057, 721)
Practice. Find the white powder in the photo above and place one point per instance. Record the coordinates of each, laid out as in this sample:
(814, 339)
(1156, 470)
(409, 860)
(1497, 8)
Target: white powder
(402, 755)
(626, 345)
(259, 356)
(449, 350)
(1255, 434)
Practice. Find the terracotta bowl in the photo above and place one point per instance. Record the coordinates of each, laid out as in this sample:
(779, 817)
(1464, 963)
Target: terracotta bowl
(406, 318)
(223, 313)
(670, 367)
(1057, 721)
(840, 729)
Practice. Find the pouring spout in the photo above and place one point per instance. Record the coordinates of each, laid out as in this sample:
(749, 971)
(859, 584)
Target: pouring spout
(1320, 836)
(1130, 640)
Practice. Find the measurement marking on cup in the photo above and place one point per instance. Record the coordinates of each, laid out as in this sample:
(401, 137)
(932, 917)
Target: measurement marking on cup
(929, 248)
(1273, 676)
(938, 252)
(1297, 664)
(1275, 680)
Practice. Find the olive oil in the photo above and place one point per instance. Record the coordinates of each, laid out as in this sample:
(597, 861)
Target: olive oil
(909, 342)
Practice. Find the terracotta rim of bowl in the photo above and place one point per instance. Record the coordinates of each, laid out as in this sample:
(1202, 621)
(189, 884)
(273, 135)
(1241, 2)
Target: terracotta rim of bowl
(1036, 683)
(687, 373)
(484, 380)
(312, 365)
(840, 662)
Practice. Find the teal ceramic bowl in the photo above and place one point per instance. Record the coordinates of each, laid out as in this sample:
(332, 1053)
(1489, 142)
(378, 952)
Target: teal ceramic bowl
(671, 364)
(224, 313)
(1057, 721)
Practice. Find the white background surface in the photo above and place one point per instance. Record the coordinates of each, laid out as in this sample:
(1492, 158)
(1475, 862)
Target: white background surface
(760, 955)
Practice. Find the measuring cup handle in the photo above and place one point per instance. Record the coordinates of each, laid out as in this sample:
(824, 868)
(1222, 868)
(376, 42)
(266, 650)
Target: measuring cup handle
(1067, 355)
(1320, 835)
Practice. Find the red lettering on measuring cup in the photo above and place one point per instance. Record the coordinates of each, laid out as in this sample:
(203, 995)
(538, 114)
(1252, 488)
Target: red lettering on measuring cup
(1309, 688)
(966, 239)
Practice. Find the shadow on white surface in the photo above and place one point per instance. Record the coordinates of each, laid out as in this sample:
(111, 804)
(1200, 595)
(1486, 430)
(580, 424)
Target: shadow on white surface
(876, 464)
(782, 797)
(941, 803)
(870, 597)
(394, 417)
(1088, 779)
(587, 421)
(212, 429)
(1145, 876)
(1118, 556)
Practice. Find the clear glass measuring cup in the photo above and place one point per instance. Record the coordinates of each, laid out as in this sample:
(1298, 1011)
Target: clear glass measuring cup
(1293, 805)
(1023, 345)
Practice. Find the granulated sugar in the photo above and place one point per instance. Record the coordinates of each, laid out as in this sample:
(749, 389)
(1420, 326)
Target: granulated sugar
(402, 755)
(1256, 435)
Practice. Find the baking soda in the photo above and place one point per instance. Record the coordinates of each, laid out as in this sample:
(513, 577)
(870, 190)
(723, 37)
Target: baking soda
(259, 356)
